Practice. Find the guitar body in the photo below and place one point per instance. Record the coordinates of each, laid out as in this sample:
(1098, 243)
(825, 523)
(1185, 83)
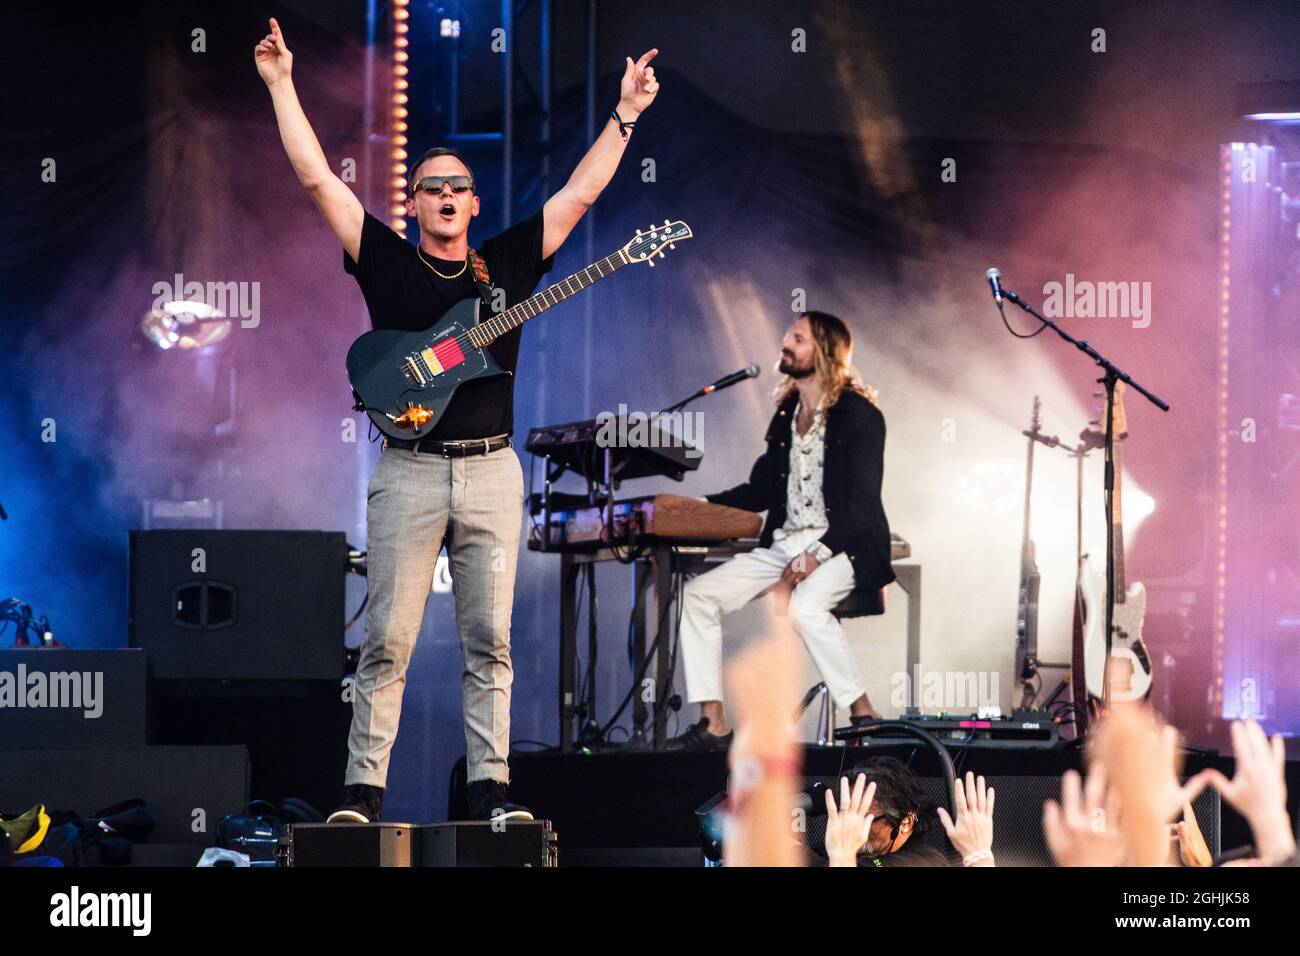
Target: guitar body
(1084, 703)
(1130, 663)
(1030, 579)
(391, 370)
(405, 380)
(1027, 624)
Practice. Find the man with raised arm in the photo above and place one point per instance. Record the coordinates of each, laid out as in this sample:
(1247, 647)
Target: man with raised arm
(462, 484)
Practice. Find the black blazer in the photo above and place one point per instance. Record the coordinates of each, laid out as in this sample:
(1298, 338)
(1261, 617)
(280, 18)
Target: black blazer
(854, 465)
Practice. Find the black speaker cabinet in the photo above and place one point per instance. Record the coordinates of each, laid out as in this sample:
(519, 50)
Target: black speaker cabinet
(239, 605)
(484, 843)
(350, 844)
(526, 843)
(88, 698)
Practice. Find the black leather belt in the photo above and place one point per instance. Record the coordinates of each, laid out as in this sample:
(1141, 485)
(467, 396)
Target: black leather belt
(452, 449)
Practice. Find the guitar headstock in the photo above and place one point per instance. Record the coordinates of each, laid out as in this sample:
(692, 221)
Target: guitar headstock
(655, 241)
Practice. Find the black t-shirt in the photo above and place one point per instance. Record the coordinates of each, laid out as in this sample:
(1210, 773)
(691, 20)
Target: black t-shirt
(402, 292)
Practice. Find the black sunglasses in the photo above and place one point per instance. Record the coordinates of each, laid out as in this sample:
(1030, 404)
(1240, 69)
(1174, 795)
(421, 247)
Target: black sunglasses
(433, 184)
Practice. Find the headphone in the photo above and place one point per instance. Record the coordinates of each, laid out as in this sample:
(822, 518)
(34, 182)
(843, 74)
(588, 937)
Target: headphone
(927, 738)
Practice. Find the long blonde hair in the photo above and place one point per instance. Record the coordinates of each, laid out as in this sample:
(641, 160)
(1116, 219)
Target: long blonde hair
(832, 361)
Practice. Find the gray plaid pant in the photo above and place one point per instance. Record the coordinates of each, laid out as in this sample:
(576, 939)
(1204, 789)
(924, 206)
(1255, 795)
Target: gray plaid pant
(414, 504)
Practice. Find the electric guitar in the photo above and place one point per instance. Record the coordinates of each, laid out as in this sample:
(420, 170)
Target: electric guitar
(1129, 672)
(405, 380)
(1030, 579)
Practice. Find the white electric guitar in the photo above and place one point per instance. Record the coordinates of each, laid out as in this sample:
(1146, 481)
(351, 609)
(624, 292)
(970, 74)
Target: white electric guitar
(1130, 664)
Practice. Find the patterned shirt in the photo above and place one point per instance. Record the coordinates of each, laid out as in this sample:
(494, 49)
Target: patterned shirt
(804, 506)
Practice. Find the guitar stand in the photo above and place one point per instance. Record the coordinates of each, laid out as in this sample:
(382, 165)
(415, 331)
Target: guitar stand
(1030, 666)
(1111, 374)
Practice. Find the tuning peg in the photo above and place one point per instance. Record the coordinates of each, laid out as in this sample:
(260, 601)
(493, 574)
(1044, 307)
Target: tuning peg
(638, 232)
(651, 260)
(665, 222)
(661, 255)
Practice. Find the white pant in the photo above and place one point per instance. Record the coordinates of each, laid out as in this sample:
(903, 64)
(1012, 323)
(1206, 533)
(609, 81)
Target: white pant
(730, 586)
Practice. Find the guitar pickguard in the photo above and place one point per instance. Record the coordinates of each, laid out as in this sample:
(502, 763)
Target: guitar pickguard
(1130, 662)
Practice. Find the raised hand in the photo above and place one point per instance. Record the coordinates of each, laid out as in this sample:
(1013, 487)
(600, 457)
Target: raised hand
(1257, 789)
(1142, 763)
(639, 86)
(972, 834)
(764, 757)
(1192, 848)
(848, 826)
(1082, 829)
(273, 59)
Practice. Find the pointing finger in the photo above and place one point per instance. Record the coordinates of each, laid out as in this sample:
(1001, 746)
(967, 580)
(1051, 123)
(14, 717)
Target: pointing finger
(647, 57)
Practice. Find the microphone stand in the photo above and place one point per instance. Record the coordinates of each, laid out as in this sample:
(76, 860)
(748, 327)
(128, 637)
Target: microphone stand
(1111, 374)
(706, 390)
(680, 405)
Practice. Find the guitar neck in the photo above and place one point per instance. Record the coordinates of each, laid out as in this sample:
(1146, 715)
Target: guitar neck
(1117, 510)
(485, 333)
(1026, 552)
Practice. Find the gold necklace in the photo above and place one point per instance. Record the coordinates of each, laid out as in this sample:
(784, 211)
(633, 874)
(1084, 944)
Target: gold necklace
(464, 265)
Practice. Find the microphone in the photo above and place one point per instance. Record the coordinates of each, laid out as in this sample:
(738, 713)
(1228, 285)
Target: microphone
(993, 275)
(749, 371)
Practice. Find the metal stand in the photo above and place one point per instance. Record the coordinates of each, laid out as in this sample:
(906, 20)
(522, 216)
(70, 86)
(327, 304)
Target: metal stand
(1111, 375)
(653, 573)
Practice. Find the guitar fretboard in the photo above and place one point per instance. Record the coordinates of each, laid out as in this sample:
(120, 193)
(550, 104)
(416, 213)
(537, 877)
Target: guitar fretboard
(1117, 509)
(487, 332)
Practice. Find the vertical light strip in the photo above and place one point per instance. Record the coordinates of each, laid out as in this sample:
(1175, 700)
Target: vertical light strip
(397, 125)
(1226, 155)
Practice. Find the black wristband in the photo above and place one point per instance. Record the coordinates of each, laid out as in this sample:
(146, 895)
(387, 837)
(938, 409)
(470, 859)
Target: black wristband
(624, 129)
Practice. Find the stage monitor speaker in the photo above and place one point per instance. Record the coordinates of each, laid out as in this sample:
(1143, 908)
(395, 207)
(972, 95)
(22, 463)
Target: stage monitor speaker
(528, 843)
(350, 844)
(478, 843)
(239, 605)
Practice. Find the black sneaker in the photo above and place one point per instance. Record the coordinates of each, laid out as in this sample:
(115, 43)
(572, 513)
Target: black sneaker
(361, 804)
(490, 800)
(697, 737)
(861, 720)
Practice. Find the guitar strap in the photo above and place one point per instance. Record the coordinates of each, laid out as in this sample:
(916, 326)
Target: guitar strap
(482, 281)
